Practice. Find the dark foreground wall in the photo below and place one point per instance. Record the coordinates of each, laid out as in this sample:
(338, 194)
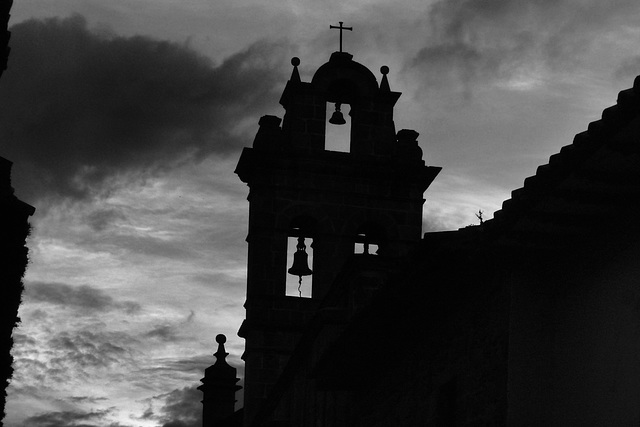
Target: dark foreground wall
(14, 229)
(430, 350)
(575, 341)
(445, 361)
(5, 7)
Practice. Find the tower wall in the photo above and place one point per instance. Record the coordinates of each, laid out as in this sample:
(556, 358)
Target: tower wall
(298, 189)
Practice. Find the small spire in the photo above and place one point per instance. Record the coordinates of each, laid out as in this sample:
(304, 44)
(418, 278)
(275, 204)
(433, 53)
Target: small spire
(218, 388)
(384, 84)
(295, 75)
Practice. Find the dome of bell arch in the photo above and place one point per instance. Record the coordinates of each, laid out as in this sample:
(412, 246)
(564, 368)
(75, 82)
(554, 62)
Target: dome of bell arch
(344, 80)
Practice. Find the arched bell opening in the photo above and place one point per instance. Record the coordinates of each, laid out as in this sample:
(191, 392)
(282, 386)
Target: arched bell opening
(341, 95)
(338, 135)
(299, 277)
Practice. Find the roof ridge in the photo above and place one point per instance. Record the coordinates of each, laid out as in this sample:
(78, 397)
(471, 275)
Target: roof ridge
(561, 164)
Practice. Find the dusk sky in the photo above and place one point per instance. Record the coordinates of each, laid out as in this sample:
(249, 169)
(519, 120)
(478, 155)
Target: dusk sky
(125, 120)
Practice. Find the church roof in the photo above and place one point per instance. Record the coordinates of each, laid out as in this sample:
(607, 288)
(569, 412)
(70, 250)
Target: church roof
(584, 200)
(589, 188)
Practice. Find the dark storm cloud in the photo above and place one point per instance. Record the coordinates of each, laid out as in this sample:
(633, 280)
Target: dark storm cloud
(83, 297)
(80, 106)
(478, 41)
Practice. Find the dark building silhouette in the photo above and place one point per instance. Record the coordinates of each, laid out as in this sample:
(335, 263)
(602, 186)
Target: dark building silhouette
(530, 319)
(14, 229)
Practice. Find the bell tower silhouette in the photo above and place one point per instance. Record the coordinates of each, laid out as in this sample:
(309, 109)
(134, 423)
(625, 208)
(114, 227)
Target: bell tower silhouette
(329, 201)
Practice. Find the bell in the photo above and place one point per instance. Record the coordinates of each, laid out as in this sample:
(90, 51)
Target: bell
(337, 118)
(300, 265)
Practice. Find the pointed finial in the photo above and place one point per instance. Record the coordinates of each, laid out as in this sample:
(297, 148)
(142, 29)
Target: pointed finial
(295, 75)
(384, 84)
(221, 354)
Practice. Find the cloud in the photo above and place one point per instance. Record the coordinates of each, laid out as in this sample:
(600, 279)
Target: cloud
(179, 408)
(628, 69)
(56, 359)
(164, 333)
(183, 408)
(151, 246)
(102, 219)
(475, 42)
(69, 419)
(81, 106)
(85, 349)
(170, 332)
(194, 364)
(181, 368)
(82, 399)
(84, 298)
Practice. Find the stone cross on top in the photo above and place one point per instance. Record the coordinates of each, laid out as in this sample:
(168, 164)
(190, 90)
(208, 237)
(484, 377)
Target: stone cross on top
(340, 27)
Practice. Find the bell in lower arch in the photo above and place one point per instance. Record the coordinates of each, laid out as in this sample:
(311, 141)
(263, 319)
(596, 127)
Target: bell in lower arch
(300, 265)
(337, 118)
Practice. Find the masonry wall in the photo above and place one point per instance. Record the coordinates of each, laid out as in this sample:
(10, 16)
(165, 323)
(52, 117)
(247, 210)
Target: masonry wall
(448, 366)
(328, 197)
(575, 341)
(430, 351)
